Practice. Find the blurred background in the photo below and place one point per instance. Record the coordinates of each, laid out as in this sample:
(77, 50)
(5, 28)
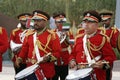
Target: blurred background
(9, 9)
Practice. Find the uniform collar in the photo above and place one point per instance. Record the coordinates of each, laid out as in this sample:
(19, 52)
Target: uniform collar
(91, 35)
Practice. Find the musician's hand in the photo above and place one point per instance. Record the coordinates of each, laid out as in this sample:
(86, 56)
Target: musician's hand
(72, 64)
(46, 58)
(82, 65)
(98, 64)
(17, 62)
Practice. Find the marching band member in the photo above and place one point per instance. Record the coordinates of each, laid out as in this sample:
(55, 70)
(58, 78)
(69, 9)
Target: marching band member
(61, 65)
(3, 44)
(93, 48)
(112, 32)
(38, 45)
(17, 37)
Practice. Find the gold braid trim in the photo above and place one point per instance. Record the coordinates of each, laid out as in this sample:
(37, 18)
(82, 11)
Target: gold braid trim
(29, 32)
(48, 41)
(88, 46)
(38, 43)
(102, 30)
(52, 32)
(0, 30)
(13, 32)
(45, 46)
(79, 30)
(96, 48)
(114, 29)
(79, 35)
(111, 33)
(108, 39)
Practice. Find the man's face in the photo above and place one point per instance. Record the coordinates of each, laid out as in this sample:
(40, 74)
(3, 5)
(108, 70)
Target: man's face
(89, 26)
(59, 25)
(106, 23)
(39, 24)
(23, 23)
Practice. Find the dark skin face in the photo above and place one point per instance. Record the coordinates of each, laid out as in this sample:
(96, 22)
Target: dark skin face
(59, 25)
(106, 23)
(39, 25)
(23, 24)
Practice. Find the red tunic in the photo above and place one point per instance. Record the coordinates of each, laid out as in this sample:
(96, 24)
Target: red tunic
(105, 50)
(112, 33)
(64, 54)
(3, 44)
(15, 37)
(54, 45)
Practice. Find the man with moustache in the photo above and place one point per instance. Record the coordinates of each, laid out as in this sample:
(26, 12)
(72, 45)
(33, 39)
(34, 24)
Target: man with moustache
(17, 37)
(42, 43)
(112, 32)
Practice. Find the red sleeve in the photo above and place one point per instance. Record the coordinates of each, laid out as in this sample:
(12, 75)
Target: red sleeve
(56, 47)
(73, 53)
(11, 38)
(24, 50)
(108, 53)
(114, 38)
(3, 41)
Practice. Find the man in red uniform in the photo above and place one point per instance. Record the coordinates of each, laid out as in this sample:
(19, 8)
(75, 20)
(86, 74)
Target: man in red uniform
(112, 32)
(17, 37)
(42, 43)
(3, 44)
(93, 48)
(61, 65)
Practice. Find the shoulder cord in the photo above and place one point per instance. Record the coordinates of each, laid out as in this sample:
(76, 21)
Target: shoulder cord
(95, 48)
(39, 44)
(0, 30)
(111, 34)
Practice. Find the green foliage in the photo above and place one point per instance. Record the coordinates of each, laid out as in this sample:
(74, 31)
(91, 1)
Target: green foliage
(117, 53)
(73, 8)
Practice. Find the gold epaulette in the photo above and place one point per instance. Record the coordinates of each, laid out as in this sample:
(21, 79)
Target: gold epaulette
(13, 32)
(79, 30)
(29, 32)
(52, 32)
(97, 48)
(79, 35)
(114, 29)
(108, 39)
(102, 29)
(0, 30)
